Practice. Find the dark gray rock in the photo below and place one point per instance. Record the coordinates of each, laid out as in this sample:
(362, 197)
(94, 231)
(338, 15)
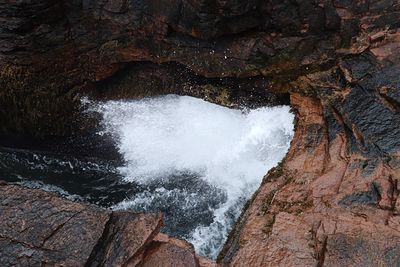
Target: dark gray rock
(370, 197)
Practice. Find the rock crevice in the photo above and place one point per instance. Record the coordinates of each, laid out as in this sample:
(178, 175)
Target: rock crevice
(39, 228)
(334, 199)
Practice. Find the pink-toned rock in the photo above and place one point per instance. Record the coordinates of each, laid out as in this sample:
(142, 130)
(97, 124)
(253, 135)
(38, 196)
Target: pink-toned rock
(38, 227)
(167, 251)
(321, 206)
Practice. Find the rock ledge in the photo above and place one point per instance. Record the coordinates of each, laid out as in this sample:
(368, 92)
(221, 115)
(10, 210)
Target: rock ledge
(38, 228)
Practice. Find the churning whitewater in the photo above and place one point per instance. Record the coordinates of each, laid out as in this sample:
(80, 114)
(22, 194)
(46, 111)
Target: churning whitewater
(198, 162)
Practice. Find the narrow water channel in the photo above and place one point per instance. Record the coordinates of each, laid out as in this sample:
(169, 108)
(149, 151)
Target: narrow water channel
(195, 161)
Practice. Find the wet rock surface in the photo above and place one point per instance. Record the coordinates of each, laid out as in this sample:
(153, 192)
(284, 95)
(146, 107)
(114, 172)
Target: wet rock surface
(53, 52)
(39, 228)
(334, 199)
(167, 251)
(328, 204)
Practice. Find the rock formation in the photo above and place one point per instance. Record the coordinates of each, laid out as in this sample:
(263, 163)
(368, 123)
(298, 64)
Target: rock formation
(334, 199)
(330, 203)
(41, 229)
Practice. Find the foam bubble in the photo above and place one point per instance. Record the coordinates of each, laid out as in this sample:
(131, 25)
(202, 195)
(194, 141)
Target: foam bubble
(229, 149)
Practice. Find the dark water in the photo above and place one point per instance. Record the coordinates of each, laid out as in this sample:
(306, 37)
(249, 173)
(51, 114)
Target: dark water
(99, 182)
(194, 161)
(93, 180)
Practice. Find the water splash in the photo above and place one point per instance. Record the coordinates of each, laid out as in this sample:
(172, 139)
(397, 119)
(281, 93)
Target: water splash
(164, 139)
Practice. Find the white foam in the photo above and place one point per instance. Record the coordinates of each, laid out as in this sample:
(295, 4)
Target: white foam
(230, 149)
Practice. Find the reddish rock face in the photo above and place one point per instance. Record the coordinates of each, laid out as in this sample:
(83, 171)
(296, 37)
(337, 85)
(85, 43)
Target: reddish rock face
(324, 206)
(334, 199)
(38, 228)
(168, 251)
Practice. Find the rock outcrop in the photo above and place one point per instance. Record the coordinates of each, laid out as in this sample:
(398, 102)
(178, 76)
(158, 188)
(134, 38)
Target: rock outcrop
(334, 199)
(38, 228)
(329, 203)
